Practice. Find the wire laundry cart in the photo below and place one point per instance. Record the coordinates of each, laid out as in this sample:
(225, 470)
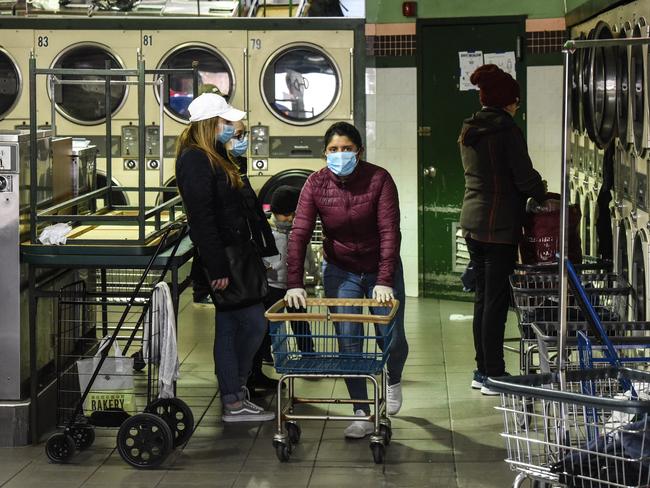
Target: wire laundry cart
(95, 389)
(306, 344)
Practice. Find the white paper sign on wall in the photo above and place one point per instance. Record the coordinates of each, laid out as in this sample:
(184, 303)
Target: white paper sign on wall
(469, 61)
(506, 61)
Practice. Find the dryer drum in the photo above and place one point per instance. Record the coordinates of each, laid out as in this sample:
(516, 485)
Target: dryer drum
(637, 77)
(622, 88)
(586, 92)
(602, 88)
(576, 86)
(9, 83)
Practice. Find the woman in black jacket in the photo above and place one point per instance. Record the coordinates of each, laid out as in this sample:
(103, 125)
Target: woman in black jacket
(499, 178)
(222, 211)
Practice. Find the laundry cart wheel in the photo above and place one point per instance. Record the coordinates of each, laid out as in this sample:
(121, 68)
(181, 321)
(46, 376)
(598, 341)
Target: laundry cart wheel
(178, 416)
(83, 436)
(60, 448)
(144, 441)
(282, 450)
(378, 452)
(294, 431)
(386, 432)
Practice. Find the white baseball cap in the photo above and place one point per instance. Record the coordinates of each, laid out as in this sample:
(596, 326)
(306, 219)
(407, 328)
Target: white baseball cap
(211, 105)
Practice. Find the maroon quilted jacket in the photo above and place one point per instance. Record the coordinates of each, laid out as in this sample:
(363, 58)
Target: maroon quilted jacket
(360, 219)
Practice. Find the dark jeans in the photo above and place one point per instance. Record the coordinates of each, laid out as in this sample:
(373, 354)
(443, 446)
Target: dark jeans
(493, 264)
(238, 335)
(300, 328)
(339, 283)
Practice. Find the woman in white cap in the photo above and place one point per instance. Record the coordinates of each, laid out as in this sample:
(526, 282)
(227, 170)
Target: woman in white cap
(223, 211)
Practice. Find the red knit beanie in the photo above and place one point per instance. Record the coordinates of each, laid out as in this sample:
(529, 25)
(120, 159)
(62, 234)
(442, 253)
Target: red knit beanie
(498, 88)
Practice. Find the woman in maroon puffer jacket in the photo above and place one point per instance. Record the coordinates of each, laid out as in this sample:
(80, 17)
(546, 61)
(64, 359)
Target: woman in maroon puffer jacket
(358, 206)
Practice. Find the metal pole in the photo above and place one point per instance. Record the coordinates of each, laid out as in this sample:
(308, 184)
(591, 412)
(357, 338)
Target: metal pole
(109, 138)
(141, 149)
(33, 178)
(53, 104)
(566, 124)
(161, 135)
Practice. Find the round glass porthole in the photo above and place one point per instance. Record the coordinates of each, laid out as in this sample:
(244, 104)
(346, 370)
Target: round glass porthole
(213, 72)
(300, 84)
(86, 103)
(10, 83)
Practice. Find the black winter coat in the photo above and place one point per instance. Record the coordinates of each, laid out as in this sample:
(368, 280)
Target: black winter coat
(220, 215)
(499, 177)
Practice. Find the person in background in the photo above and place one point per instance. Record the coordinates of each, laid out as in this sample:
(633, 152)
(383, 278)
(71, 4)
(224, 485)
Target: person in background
(283, 208)
(222, 210)
(359, 208)
(499, 178)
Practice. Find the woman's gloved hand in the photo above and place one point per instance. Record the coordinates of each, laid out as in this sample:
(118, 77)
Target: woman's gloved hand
(382, 293)
(296, 297)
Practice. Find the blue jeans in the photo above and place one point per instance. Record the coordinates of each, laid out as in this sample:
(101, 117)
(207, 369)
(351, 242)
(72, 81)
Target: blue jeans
(339, 283)
(238, 335)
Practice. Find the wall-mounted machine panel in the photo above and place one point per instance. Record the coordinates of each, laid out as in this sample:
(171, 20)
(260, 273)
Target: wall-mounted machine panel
(15, 46)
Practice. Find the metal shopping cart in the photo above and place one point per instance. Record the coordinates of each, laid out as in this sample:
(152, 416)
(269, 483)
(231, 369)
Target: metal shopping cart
(535, 296)
(306, 345)
(593, 433)
(96, 389)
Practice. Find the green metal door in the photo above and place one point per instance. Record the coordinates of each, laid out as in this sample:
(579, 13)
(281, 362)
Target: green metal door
(442, 108)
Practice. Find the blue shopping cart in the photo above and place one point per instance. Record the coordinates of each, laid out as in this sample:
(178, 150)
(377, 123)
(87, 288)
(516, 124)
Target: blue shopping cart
(332, 338)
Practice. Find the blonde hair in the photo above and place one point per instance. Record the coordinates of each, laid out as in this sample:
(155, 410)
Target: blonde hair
(201, 135)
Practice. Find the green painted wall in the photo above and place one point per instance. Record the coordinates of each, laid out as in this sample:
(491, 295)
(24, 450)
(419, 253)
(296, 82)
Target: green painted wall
(388, 11)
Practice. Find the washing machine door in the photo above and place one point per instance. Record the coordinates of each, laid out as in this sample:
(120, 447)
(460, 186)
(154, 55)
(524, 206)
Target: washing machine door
(301, 84)
(10, 83)
(214, 72)
(291, 177)
(622, 87)
(85, 104)
(602, 88)
(637, 78)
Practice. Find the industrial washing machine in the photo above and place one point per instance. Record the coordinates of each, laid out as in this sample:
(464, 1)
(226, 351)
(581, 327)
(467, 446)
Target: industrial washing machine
(15, 46)
(221, 55)
(297, 90)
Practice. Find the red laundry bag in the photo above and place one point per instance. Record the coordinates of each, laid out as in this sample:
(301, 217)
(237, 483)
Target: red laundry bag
(541, 240)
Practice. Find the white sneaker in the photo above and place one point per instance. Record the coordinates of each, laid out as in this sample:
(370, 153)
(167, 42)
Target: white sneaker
(359, 428)
(488, 392)
(394, 399)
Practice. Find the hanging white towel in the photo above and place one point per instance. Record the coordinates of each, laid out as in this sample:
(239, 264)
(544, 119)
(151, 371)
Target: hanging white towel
(164, 350)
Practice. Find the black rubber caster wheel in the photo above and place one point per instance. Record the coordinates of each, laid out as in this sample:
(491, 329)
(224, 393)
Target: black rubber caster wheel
(178, 416)
(60, 448)
(294, 432)
(378, 452)
(283, 452)
(83, 436)
(138, 361)
(144, 441)
(386, 432)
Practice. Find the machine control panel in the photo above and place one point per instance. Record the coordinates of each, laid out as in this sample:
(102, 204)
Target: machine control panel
(641, 188)
(129, 141)
(152, 141)
(296, 146)
(260, 141)
(8, 159)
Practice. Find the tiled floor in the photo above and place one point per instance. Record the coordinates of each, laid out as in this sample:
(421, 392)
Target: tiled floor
(446, 434)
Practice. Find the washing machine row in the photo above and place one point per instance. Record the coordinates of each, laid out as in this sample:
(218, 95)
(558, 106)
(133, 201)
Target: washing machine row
(293, 77)
(628, 85)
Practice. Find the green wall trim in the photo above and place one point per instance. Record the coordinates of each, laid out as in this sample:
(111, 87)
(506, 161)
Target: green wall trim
(391, 62)
(179, 23)
(389, 11)
(544, 59)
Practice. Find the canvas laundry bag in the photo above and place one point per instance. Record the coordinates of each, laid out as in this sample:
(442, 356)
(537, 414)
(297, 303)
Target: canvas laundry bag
(113, 386)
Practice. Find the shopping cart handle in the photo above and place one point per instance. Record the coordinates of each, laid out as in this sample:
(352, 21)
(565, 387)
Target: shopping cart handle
(276, 313)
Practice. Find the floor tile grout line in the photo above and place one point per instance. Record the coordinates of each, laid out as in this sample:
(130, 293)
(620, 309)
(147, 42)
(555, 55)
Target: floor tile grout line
(322, 436)
(451, 428)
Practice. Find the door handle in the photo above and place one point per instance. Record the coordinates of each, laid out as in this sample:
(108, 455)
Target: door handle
(430, 172)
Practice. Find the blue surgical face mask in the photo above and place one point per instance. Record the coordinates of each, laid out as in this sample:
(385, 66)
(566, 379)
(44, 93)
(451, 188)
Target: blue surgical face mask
(226, 133)
(239, 147)
(342, 163)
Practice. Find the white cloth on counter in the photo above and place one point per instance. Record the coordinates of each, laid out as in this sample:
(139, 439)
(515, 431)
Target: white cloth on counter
(55, 235)
(164, 349)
